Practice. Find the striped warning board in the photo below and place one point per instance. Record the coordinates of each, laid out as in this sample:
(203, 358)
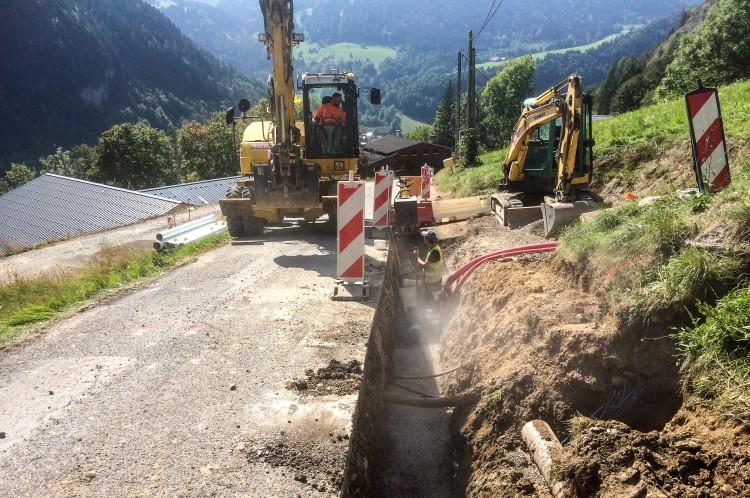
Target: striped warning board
(350, 213)
(426, 180)
(382, 198)
(707, 136)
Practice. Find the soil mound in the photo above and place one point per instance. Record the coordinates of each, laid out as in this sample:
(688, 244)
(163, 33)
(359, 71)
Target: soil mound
(695, 455)
(337, 378)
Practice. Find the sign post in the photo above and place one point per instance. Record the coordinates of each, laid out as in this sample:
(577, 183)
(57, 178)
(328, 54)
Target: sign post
(710, 160)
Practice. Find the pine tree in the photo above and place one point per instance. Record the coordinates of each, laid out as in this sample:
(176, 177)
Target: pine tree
(443, 131)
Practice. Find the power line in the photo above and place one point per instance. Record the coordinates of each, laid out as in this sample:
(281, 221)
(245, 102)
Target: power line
(492, 14)
(488, 14)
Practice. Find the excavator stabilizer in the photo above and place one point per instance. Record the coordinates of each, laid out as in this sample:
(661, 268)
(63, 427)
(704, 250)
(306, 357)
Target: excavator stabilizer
(557, 215)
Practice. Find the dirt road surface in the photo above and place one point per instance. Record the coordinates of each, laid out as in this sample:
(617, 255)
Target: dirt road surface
(179, 387)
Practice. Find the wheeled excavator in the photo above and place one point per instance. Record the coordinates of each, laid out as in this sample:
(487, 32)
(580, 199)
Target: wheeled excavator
(549, 164)
(290, 164)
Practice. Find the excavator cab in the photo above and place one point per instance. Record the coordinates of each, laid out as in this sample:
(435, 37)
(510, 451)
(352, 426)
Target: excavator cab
(331, 131)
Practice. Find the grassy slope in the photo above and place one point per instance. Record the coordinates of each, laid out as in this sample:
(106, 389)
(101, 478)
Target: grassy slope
(408, 125)
(580, 48)
(30, 301)
(677, 254)
(375, 54)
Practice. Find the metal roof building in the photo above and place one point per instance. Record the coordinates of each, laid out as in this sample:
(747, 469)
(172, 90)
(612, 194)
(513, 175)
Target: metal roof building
(195, 193)
(54, 207)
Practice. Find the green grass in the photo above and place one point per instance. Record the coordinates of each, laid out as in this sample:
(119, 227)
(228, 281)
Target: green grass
(716, 351)
(537, 56)
(408, 125)
(31, 301)
(650, 130)
(342, 52)
(463, 182)
(668, 254)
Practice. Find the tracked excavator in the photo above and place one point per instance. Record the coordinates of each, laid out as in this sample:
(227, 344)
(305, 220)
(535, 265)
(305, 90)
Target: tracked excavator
(290, 164)
(549, 164)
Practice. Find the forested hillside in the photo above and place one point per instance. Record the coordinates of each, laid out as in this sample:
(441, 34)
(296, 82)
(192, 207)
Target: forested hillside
(409, 49)
(72, 68)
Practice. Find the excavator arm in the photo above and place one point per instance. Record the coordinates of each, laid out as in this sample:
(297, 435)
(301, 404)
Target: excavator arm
(279, 38)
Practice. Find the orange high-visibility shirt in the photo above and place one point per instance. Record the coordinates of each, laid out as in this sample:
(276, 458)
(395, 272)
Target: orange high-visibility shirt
(329, 114)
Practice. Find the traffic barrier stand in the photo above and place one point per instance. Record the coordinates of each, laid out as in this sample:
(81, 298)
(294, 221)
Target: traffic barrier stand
(710, 160)
(350, 245)
(381, 210)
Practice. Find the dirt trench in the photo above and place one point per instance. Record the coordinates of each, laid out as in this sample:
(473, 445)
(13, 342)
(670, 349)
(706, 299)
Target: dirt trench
(399, 450)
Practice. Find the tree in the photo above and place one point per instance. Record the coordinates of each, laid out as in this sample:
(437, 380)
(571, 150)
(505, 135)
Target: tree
(135, 156)
(59, 163)
(443, 128)
(717, 53)
(421, 133)
(501, 101)
(207, 151)
(18, 174)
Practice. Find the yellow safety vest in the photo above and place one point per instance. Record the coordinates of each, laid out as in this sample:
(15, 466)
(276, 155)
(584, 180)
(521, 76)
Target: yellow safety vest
(433, 272)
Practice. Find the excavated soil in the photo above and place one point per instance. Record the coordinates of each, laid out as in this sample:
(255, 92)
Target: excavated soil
(337, 378)
(696, 455)
(542, 348)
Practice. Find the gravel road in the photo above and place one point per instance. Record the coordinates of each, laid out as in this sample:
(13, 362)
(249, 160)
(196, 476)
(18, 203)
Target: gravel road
(178, 388)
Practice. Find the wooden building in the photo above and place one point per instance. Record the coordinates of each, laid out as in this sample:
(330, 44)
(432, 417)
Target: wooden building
(401, 155)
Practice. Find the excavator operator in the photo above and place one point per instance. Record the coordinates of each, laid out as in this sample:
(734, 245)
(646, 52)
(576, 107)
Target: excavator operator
(330, 119)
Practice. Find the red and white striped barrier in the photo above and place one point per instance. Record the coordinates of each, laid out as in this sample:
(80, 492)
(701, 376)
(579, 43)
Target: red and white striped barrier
(426, 180)
(382, 198)
(350, 215)
(707, 135)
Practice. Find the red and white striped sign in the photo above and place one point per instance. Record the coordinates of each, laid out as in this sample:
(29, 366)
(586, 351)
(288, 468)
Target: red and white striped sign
(382, 198)
(350, 215)
(426, 180)
(707, 136)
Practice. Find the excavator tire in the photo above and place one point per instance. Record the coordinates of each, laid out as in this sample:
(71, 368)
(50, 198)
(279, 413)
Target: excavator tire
(235, 227)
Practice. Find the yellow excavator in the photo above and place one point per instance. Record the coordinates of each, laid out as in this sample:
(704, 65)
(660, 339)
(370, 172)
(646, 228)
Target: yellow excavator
(290, 164)
(550, 161)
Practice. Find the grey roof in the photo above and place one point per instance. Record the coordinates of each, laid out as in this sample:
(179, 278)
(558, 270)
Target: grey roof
(389, 144)
(196, 193)
(54, 207)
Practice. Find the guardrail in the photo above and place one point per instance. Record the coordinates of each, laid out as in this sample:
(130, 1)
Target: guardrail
(188, 232)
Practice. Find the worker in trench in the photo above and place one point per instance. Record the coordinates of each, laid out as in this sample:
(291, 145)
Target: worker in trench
(432, 264)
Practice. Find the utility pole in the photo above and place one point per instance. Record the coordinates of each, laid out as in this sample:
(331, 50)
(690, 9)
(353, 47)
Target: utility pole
(471, 94)
(458, 101)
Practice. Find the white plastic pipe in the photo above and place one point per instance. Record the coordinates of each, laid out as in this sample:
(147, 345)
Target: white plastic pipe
(186, 227)
(544, 447)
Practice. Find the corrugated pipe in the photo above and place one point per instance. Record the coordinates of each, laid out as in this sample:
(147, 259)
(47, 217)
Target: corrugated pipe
(458, 278)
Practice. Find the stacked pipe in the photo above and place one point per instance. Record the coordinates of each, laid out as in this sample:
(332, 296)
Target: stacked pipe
(188, 232)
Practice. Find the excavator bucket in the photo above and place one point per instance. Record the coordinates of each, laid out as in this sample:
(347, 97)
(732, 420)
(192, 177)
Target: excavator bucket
(558, 215)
